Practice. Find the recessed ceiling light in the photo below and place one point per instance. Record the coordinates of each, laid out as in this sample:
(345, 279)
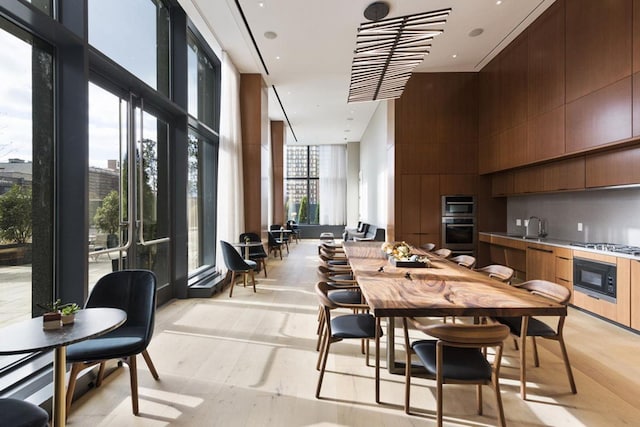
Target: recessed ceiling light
(454, 56)
(277, 57)
(270, 35)
(476, 32)
(349, 118)
(499, 2)
(261, 3)
(347, 130)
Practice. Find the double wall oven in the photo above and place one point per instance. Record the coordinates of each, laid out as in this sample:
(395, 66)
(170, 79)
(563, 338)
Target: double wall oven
(459, 223)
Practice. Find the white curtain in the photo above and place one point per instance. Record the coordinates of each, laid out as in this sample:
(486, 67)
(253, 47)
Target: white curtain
(230, 183)
(333, 184)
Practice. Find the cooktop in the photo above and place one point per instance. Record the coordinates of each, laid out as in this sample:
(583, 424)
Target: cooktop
(609, 247)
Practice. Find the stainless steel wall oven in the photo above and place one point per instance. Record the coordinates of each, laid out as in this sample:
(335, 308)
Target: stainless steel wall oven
(459, 223)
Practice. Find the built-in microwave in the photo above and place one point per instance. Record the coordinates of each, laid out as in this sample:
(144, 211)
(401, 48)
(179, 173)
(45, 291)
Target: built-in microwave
(595, 278)
(458, 205)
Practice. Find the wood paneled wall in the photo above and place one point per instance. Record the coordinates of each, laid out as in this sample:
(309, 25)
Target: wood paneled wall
(277, 159)
(253, 117)
(566, 86)
(436, 153)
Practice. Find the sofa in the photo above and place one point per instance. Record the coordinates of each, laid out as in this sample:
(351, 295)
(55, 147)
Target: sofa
(364, 231)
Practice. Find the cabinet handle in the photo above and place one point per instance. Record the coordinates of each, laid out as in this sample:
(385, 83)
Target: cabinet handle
(564, 258)
(540, 250)
(591, 296)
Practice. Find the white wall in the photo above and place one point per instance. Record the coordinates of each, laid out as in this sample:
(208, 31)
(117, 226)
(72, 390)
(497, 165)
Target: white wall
(373, 167)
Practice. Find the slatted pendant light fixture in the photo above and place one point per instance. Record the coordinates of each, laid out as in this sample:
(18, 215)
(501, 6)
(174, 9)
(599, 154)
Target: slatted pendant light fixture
(388, 50)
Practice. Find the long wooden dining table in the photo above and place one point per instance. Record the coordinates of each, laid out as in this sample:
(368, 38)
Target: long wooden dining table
(443, 289)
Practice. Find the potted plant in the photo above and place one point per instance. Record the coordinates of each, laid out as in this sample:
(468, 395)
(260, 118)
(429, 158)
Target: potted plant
(68, 312)
(107, 218)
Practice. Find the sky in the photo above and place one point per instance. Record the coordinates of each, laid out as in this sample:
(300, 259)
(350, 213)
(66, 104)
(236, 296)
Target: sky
(133, 46)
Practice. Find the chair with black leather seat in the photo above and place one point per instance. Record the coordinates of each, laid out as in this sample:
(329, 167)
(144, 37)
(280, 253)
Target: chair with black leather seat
(456, 356)
(275, 246)
(348, 326)
(282, 238)
(133, 291)
(467, 261)
(236, 264)
(443, 252)
(256, 253)
(340, 294)
(537, 328)
(498, 272)
(18, 413)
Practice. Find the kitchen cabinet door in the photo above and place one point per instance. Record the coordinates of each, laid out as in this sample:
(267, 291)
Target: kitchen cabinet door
(609, 168)
(635, 294)
(564, 268)
(541, 263)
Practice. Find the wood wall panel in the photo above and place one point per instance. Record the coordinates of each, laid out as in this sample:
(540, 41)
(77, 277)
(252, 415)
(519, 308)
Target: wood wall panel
(252, 104)
(410, 204)
(636, 36)
(619, 167)
(545, 135)
(546, 61)
(458, 184)
(598, 44)
(277, 167)
(599, 118)
(430, 210)
(489, 98)
(513, 83)
(635, 83)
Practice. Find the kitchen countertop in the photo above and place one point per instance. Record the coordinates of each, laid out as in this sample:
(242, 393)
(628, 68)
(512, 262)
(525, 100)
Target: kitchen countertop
(556, 242)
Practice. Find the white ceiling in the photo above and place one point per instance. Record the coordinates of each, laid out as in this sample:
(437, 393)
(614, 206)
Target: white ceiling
(309, 62)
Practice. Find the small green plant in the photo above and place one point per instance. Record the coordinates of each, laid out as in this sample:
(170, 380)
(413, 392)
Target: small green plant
(58, 306)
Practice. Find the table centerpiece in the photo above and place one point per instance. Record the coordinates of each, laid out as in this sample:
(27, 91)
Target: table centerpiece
(401, 254)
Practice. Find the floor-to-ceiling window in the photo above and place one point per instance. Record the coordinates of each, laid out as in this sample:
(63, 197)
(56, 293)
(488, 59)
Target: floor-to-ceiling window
(26, 174)
(104, 170)
(301, 184)
(204, 107)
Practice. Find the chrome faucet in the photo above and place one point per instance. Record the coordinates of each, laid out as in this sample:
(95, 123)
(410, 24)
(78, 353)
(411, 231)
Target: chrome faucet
(542, 226)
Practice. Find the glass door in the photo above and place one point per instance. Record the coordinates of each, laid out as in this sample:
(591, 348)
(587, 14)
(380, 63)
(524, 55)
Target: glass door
(128, 186)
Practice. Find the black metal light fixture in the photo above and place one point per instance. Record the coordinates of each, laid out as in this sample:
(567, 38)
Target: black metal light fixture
(388, 50)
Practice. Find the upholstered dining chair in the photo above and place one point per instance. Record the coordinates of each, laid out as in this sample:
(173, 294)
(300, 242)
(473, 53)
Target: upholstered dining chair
(428, 247)
(340, 294)
(15, 412)
(443, 252)
(537, 328)
(467, 261)
(456, 356)
(256, 253)
(236, 264)
(275, 245)
(282, 238)
(498, 272)
(133, 291)
(347, 326)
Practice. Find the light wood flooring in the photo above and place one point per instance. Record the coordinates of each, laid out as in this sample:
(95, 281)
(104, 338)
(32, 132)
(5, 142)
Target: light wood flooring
(250, 361)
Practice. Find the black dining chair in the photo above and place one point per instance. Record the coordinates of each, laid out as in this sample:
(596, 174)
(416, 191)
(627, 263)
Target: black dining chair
(18, 413)
(133, 291)
(456, 356)
(295, 230)
(256, 253)
(282, 238)
(347, 326)
(275, 245)
(236, 264)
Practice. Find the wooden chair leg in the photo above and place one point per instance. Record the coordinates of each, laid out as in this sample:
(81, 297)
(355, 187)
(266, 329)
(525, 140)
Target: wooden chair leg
(536, 359)
(253, 279)
(479, 399)
(73, 377)
(325, 355)
(101, 374)
(152, 369)
(407, 381)
(233, 283)
(567, 365)
(133, 376)
(264, 266)
(377, 360)
(523, 358)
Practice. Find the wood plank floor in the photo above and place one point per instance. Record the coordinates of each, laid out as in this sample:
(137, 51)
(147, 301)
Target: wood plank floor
(250, 361)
